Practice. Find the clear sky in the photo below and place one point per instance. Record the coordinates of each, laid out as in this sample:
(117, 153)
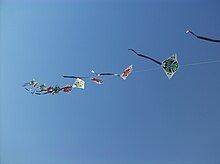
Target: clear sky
(145, 119)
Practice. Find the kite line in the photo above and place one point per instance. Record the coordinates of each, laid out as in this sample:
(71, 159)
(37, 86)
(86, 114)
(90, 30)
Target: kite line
(182, 65)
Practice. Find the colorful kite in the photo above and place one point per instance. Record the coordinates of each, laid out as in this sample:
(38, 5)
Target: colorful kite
(79, 83)
(126, 72)
(32, 83)
(42, 88)
(202, 37)
(56, 90)
(67, 88)
(170, 65)
(96, 80)
(31, 86)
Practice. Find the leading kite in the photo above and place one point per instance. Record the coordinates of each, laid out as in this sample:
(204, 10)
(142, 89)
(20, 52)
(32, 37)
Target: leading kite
(170, 65)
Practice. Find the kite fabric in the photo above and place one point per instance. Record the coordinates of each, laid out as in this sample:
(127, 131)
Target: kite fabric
(202, 37)
(79, 83)
(96, 80)
(67, 88)
(170, 65)
(126, 72)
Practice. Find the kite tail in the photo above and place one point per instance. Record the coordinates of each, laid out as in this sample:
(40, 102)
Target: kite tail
(202, 37)
(109, 74)
(208, 39)
(157, 62)
(188, 31)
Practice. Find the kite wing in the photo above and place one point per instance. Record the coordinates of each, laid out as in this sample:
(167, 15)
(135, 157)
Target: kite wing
(202, 37)
(147, 57)
(79, 83)
(170, 66)
(126, 72)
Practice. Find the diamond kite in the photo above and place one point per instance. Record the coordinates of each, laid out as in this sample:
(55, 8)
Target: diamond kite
(79, 83)
(170, 65)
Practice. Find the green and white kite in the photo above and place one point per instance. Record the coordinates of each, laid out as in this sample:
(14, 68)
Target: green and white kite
(170, 65)
(79, 83)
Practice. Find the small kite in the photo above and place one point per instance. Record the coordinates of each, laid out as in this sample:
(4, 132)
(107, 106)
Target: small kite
(126, 72)
(124, 75)
(32, 83)
(56, 89)
(96, 80)
(79, 83)
(31, 86)
(170, 65)
(67, 88)
(42, 88)
(202, 37)
(48, 90)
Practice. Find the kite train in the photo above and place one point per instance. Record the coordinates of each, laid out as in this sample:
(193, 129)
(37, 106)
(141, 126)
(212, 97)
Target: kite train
(170, 65)
(202, 37)
(42, 89)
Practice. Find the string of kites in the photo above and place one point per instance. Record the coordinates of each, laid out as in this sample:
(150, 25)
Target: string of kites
(169, 65)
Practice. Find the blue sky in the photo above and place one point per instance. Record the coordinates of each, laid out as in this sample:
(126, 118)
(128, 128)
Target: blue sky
(145, 119)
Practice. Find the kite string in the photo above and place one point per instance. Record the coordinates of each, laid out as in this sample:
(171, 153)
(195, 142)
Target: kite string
(183, 65)
(200, 63)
